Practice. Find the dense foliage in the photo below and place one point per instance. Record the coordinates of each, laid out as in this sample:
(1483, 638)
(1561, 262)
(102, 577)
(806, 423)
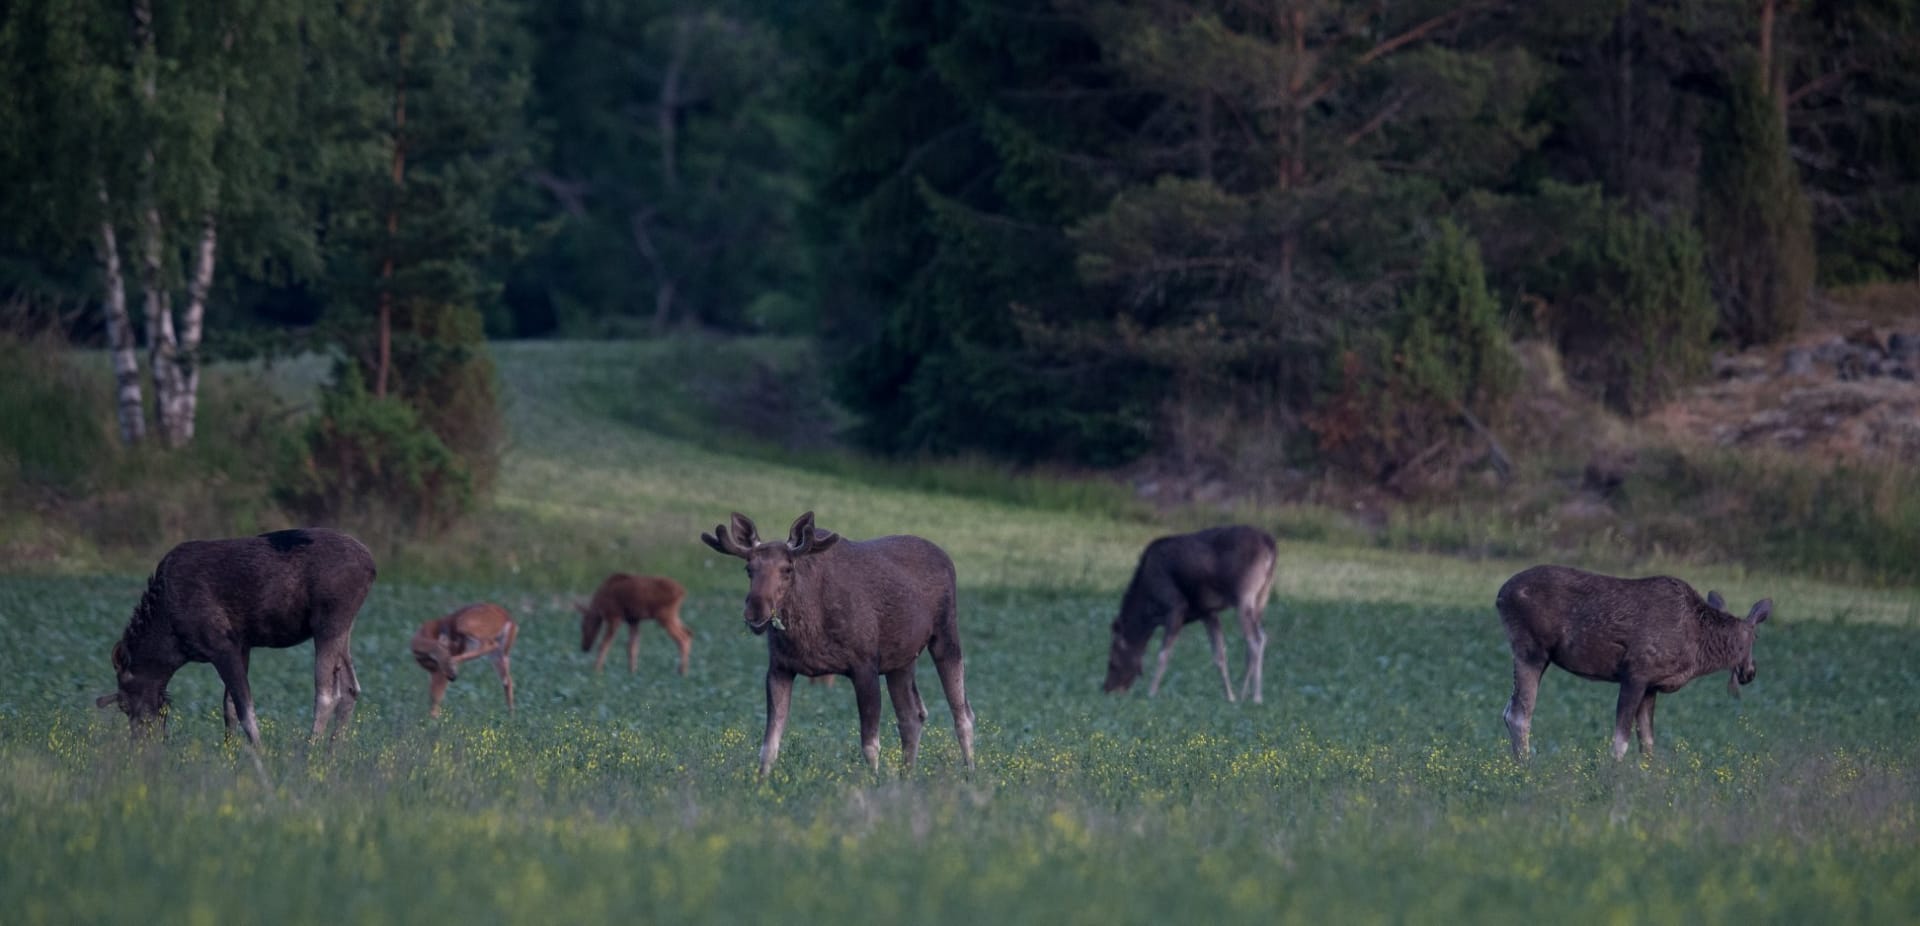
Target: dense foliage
(1075, 230)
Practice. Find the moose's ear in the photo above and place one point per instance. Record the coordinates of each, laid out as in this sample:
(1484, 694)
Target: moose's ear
(744, 533)
(1760, 611)
(804, 538)
(1716, 602)
(107, 700)
(801, 531)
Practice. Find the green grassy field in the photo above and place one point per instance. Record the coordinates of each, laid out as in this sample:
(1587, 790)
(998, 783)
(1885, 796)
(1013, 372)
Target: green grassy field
(1373, 785)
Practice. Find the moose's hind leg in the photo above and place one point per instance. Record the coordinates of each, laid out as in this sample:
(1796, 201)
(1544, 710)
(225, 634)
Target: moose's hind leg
(908, 712)
(1219, 644)
(1519, 713)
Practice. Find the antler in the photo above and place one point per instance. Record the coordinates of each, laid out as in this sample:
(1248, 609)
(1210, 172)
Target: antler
(736, 542)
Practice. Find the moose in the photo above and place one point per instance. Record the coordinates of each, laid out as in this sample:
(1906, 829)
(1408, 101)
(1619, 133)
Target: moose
(1188, 577)
(1651, 635)
(632, 599)
(472, 632)
(215, 600)
(863, 609)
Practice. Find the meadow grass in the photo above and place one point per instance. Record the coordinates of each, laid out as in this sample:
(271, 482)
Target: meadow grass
(1373, 786)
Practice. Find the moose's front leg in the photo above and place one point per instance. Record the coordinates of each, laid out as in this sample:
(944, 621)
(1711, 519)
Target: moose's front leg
(1166, 651)
(779, 698)
(1632, 691)
(866, 693)
(232, 667)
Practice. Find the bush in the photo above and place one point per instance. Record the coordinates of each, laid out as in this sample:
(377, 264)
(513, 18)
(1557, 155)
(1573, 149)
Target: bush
(1404, 395)
(1755, 218)
(1627, 302)
(371, 462)
(51, 432)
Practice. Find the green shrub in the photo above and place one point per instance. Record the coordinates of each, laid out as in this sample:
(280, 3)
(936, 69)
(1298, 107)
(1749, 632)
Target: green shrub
(369, 461)
(1407, 389)
(52, 433)
(1755, 218)
(1627, 300)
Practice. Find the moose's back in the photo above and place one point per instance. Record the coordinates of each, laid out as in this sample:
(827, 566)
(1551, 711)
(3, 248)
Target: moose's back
(264, 590)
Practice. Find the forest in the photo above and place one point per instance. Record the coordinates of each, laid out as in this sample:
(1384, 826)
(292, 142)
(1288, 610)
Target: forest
(1076, 232)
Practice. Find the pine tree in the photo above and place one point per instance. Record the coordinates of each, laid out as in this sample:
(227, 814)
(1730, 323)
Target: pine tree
(1754, 215)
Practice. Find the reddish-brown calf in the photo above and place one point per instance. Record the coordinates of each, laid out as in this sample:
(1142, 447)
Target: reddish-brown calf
(472, 632)
(632, 599)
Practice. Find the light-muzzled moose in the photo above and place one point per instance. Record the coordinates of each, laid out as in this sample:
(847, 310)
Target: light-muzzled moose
(1652, 636)
(476, 631)
(630, 599)
(1189, 577)
(213, 601)
(860, 608)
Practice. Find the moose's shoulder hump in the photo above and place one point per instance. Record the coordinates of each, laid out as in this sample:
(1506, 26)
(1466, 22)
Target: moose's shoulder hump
(288, 540)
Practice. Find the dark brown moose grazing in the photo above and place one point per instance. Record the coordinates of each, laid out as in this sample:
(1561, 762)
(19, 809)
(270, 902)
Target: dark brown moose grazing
(215, 600)
(1651, 635)
(476, 631)
(859, 608)
(1189, 577)
(632, 599)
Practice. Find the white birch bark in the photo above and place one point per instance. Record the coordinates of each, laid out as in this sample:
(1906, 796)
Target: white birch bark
(187, 360)
(126, 358)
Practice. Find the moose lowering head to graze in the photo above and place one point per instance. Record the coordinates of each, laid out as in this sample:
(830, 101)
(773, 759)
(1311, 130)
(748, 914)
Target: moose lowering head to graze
(863, 609)
(1651, 635)
(215, 600)
(473, 632)
(632, 599)
(1193, 577)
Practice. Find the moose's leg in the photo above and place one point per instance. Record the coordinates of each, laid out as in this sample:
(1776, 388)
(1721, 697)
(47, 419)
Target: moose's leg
(502, 663)
(335, 689)
(436, 689)
(1632, 692)
(908, 712)
(1256, 636)
(866, 694)
(1219, 653)
(953, 678)
(1527, 669)
(779, 697)
(1166, 650)
(1645, 723)
(227, 708)
(683, 638)
(633, 648)
(606, 643)
(232, 667)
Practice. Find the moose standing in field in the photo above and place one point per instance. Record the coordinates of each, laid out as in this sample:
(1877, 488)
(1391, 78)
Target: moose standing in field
(630, 599)
(1651, 635)
(215, 600)
(1193, 577)
(472, 632)
(863, 609)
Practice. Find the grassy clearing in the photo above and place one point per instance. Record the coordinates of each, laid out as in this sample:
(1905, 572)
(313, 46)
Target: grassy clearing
(1373, 785)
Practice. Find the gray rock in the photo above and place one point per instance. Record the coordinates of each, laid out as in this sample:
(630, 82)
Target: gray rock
(1797, 362)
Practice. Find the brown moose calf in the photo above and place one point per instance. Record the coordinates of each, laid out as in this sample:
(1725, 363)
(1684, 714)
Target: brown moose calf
(632, 599)
(472, 632)
(1651, 635)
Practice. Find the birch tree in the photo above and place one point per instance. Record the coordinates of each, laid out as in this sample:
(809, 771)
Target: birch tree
(144, 122)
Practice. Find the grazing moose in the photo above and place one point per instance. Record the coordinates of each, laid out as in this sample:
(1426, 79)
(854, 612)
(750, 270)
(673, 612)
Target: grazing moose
(1193, 577)
(863, 609)
(633, 599)
(1651, 635)
(215, 600)
(472, 632)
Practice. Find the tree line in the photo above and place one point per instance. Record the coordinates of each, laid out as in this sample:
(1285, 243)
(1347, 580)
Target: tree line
(1065, 230)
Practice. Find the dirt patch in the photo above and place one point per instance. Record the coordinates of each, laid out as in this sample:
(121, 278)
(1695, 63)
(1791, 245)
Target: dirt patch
(1848, 388)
